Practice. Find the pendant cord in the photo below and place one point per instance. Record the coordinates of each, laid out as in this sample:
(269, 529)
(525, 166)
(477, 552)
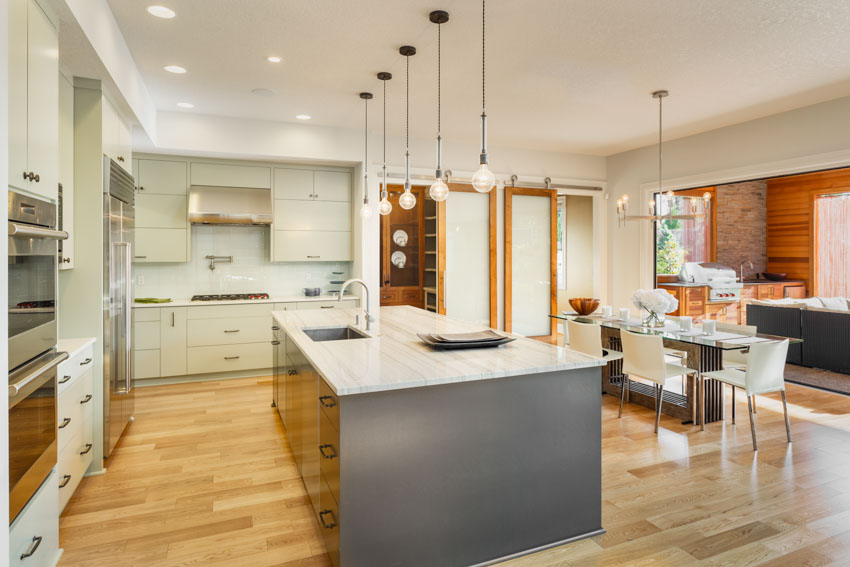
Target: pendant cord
(483, 51)
(407, 106)
(366, 140)
(385, 128)
(660, 99)
(439, 29)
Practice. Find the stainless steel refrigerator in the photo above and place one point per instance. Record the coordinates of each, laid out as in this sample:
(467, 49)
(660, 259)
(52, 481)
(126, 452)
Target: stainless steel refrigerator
(118, 242)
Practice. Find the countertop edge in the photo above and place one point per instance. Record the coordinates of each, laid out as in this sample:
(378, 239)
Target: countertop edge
(74, 346)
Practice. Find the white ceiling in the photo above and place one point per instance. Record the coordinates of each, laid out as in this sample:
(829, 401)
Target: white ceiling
(563, 75)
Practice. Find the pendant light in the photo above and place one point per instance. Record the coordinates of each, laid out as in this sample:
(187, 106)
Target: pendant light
(439, 190)
(407, 199)
(483, 180)
(365, 211)
(384, 207)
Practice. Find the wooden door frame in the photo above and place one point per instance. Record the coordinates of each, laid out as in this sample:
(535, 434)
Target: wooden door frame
(441, 256)
(552, 194)
(813, 241)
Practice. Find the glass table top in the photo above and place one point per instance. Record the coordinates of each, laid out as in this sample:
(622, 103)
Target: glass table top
(719, 339)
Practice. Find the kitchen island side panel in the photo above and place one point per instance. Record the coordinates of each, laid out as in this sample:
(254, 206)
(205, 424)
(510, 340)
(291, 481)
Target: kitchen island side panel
(466, 473)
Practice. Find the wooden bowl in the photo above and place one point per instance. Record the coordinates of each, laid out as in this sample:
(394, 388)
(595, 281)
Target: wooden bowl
(774, 277)
(584, 305)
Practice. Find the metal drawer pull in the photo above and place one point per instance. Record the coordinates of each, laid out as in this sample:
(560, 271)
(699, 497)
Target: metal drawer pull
(87, 449)
(230, 357)
(64, 379)
(121, 159)
(314, 256)
(172, 318)
(139, 256)
(327, 306)
(275, 342)
(86, 361)
(36, 541)
(332, 454)
(64, 423)
(275, 328)
(231, 330)
(26, 231)
(87, 399)
(65, 480)
(17, 387)
(322, 519)
(325, 404)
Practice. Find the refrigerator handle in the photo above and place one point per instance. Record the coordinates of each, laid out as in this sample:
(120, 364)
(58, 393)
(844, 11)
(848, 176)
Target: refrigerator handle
(127, 312)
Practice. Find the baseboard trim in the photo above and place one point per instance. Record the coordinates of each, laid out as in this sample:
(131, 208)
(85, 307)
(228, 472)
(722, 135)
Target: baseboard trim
(559, 543)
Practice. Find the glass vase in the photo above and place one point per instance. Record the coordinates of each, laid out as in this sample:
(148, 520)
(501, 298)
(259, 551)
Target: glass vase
(653, 319)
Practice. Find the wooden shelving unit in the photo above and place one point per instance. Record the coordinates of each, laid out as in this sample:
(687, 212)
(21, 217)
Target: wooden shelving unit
(430, 283)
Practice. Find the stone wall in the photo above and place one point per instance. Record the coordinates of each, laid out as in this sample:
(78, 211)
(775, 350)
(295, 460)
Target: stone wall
(742, 225)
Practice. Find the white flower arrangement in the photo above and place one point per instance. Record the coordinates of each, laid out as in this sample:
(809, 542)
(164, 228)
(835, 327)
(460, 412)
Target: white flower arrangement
(657, 301)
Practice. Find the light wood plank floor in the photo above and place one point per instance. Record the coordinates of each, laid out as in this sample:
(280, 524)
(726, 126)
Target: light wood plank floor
(204, 477)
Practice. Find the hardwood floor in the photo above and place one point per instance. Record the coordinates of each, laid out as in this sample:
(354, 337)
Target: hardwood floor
(205, 477)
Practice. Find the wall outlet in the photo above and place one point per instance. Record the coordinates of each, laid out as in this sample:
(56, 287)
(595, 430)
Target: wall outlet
(140, 280)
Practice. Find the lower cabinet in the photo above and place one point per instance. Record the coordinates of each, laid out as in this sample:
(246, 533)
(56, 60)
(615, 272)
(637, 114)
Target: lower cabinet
(34, 535)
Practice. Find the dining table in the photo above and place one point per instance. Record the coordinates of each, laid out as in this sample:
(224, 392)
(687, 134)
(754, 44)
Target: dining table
(702, 352)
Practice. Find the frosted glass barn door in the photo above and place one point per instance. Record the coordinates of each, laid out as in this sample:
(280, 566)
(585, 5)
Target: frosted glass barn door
(467, 275)
(529, 261)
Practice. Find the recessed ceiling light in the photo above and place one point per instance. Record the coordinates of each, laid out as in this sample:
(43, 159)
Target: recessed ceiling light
(273, 59)
(303, 116)
(175, 69)
(161, 12)
(263, 92)
(185, 105)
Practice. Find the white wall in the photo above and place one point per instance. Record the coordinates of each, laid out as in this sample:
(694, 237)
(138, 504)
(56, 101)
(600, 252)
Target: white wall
(580, 255)
(805, 139)
(4, 279)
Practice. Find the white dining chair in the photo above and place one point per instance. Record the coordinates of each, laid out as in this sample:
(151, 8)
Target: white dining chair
(586, 338)
(643, 357)
(736, 358)
(765, 373)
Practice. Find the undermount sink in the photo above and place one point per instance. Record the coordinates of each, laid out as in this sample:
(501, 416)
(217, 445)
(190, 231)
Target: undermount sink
(322, 334)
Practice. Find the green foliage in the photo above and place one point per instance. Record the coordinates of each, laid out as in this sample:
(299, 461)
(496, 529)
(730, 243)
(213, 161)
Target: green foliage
(669, 257)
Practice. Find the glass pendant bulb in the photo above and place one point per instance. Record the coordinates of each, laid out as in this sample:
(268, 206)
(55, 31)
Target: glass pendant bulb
(439, 190)
(385, 207)
(407, 200)
(483, 180)
(365, 211)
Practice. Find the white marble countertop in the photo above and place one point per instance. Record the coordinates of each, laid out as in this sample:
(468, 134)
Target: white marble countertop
(282, 299)
(394, 357)
(74, 346)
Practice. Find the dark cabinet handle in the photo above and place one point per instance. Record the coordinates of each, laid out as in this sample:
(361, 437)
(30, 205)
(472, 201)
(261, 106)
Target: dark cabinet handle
(314, 256)
(25, 176)
(121, 159)
(87, 399)
(230, 357)
(325, 524)
(64, 423)
(331, 455)
(67, 260)
(87, 449)
(292, 372)
(275, 328)
(325, 403)
(327, 306)
(139, 256)
(37, 178)
(86, 361)
(275, 342)
(231, 330)
(36, 541)
(65, 480)
(64, 379)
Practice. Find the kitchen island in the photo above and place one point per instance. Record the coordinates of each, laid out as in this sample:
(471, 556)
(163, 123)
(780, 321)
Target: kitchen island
(413, 457)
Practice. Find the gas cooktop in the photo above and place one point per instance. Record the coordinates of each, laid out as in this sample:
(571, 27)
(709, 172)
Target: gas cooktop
(230, 297)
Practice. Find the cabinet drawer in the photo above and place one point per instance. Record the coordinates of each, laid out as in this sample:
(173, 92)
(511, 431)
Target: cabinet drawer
(331, 304)
(146, 364)
(38, 519)
(329, 453)
(228, 331)
(72, 465)
(312, 215)
(328, 517)
(749, 292)
(146, 335)
(161, 245)
(226, 358)
(329, 402)
(773, 291)
(241, 310)
(312, 246)
(73, 402)
(222, 175)
(73, 368)
(141, 314)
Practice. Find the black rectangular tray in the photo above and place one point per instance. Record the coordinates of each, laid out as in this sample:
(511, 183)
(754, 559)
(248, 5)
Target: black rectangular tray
(435, 344)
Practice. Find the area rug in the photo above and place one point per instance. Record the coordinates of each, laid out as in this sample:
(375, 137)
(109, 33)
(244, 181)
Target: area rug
(822, 379)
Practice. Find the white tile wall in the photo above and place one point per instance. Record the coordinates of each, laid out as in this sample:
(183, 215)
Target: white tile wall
(250, 271)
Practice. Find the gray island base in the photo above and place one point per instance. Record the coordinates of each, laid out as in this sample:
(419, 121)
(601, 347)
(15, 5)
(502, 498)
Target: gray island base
(470, 468)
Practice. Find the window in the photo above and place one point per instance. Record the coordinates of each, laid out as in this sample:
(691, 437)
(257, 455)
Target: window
(680, 241)
(832, 245)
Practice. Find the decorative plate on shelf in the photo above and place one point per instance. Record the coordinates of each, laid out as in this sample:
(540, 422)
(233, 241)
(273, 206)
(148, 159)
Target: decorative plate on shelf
(400, 238)
(399, 259)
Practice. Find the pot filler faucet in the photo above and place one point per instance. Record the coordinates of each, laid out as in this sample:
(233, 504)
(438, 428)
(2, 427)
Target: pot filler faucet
(742, 268)
(369, 318)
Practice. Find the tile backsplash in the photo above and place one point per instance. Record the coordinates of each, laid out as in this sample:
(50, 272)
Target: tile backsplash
(249, 272)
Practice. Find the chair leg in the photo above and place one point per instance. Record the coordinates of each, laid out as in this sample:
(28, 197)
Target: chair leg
(701, 402)
(752, 422)
(755, 409)
(660, 390)
(733, 405)
(787, 422)
(623, 394)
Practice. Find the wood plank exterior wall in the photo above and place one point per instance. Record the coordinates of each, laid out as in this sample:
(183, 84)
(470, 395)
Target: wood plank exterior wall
(790, 220)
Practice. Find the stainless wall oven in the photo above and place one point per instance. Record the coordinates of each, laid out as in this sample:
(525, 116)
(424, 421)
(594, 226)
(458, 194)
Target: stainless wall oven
(32, 277)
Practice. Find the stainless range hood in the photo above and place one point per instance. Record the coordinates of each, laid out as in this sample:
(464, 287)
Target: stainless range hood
(230, 205)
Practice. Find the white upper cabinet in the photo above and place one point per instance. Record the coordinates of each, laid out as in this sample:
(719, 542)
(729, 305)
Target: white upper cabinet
(312, 215)
(66, 170)
(116, 137)
(33, 100)
(224, 175)
(332, 186)
(293, 184)
(160, 177)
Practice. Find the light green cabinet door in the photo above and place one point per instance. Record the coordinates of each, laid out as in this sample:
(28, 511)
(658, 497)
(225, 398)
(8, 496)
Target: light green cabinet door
(293, 184)
(332, 186)
(18, 93)
(161, 245)
(160, 211)
(159, 177)
(173, 332)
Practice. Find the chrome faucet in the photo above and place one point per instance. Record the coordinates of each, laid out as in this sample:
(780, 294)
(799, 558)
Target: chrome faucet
(369, 318)
(742, 268)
